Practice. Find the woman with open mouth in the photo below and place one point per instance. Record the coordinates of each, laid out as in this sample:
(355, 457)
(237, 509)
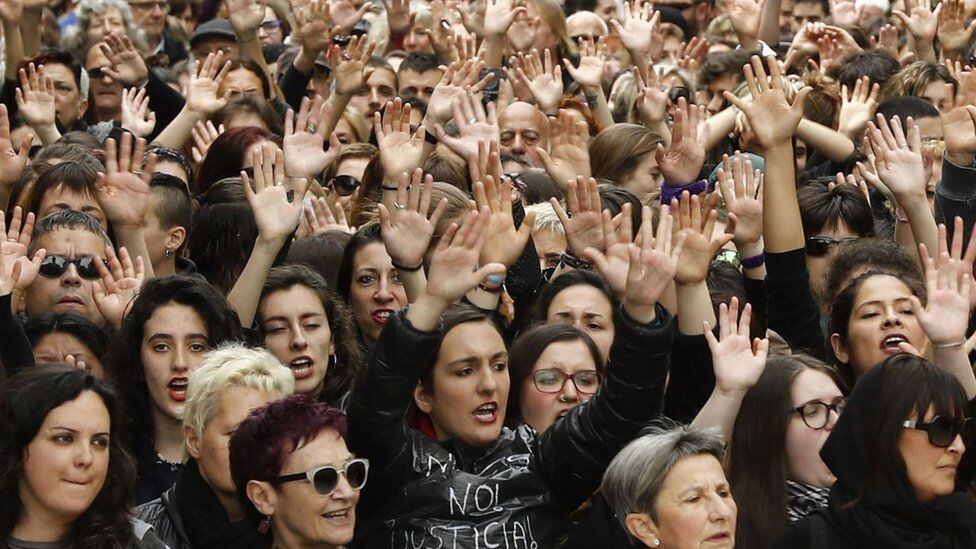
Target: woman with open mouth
(170, 327)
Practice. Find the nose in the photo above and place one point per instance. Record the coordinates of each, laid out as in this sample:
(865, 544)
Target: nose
(374, 97)
(720, 509)
(958, 446)
(715, 104)
(298, 341)
(84, 456)
(832, 417)
(891, 317)
(487, 383)
(71, 276)
(180, 360)
(518, 146)
(343, 490)
(383, 293)
(569, 392)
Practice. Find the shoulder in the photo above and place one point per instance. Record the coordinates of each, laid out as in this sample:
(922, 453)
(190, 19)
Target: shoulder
(145, 536)
(813, 531)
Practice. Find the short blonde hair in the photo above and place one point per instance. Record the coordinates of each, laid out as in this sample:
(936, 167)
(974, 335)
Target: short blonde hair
(545, 218)
(232, 365)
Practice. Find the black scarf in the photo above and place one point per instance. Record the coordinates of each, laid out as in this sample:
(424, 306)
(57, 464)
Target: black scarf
(205, 520)
(890, 515)
(804, 499)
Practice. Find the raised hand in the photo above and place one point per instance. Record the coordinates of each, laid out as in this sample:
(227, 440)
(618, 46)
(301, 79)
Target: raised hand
(584, 223)
(741, 189)
(246, 16)
(953, 33)
(773, 118)
(349, 64)
(201, 93)
(503, 242)
(614, 263)
(457, 80)
(569, 154)
(204, 135)
(11, 11)
(636, 30)
(454, 264)
(304, 141)
(700, 245)
(323, 215)
(401, 151)
(127, 67)
(745, 16)
(119, 284)
(589, 73)
(313, 26)
(276, 216)
(857, 107)
(136, 116)
(123, 190)
(35, 97)
(541, 77)
(959, 124)
(474, 125)
(407, 230)
(682, 163)
(345, 15)
(473, 16)
(653, 265)
(920, 20)
(499, 15)
(690, 54)
(945, 317)
(738, 361)
(398, 16)
(16, 271)
(12, 163)
(652, 100)
(898, 157)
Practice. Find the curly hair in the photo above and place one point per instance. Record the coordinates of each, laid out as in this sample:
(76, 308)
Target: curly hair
(25, 401)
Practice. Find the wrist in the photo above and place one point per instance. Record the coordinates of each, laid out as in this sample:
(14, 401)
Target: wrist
(640, 312)
(949, 344)
(749, 249)
(731, 393)
(964, 159)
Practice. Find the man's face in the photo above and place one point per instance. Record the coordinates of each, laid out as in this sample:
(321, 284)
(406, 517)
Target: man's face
(150, 16)
(806, 12)
(104, 90)
(418, 84)
(713, 99)
(606, 10)
(380, 88)
(101, 25)
(585, 23)
(68, 292)
(212, 44)
(68, 102)
(523, 128)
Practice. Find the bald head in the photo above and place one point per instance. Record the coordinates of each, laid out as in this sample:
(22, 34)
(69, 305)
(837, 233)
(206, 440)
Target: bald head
(523, 128)
(586, 23)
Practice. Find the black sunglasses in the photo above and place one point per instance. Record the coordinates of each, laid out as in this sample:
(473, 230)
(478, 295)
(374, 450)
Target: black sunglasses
(345, 185)
(53, 266)
(677, 92)
(943, 431)
(325, 479)
(819, 246)
(96, 73)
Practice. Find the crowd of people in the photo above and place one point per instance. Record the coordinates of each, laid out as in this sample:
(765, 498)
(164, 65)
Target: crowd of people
(502, 273)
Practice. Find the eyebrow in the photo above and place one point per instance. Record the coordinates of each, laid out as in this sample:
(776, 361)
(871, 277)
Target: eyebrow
(170, 336)
(879, 302)
(282, 318)
(74, 432)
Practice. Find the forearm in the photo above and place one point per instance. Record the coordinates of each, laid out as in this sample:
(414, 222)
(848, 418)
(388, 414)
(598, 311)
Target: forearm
(414, 283)
(769, 24)
(14, 50)
(720, 411)
(339, 103)
(133, 239)
(719, 127)
(782, 228)
(425, 313)
(922, 223)
(48, 134)
(31, 41)
(597, 102)
(305, 60)
(835, 145)
(748, 250)
(176, 134)
(494, 51)
(955, 361)
(251, 49)
(695, 305)
(246, 293)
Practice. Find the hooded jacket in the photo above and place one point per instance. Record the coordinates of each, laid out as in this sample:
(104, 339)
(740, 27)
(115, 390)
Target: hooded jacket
(889, 516)
(516, 493)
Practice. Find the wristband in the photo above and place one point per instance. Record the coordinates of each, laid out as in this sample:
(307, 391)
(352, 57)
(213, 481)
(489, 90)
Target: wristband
(755, 261)
(573, 262)
(406, 269)
(669, 192)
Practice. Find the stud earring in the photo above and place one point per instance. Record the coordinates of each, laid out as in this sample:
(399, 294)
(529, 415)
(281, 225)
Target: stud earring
(169, 252)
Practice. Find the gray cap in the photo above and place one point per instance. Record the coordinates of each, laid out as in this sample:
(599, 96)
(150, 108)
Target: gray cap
(215, 28)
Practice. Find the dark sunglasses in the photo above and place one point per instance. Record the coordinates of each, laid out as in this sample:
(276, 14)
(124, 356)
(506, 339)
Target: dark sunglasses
(271, 26)
(53, 266)
(819, 246)
(325, 479)
(677, 92)
(345, 185)
(96, 73)
(943, 431)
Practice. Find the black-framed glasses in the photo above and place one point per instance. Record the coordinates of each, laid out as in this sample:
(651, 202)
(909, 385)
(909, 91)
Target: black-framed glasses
(943, 431)
(345, 185)
(54, 265)
(819, 246)
(325, 479)
(816, 414)
(97, 73)
(677, 92)
(551, 380)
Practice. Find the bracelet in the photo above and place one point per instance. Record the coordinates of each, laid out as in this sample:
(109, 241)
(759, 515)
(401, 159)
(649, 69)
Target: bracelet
(755, 261)
(494, 284)
(406, 269)
(959, 343)
(568, 259)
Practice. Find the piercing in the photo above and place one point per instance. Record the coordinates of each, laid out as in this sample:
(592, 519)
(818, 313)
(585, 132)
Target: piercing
(169, 253)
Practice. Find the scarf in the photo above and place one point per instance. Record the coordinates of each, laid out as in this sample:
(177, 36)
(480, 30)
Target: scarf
(804, 499)
(204, 518)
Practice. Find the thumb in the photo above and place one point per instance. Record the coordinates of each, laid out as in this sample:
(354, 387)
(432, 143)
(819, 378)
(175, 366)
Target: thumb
(909, 348)
(527, 224)
(490, 269)
(545, 158)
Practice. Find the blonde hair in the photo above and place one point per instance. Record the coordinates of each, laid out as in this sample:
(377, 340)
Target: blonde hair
(232, 365)
(545, 218)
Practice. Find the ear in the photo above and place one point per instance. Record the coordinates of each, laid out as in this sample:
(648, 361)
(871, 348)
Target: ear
(192, 441)
(423, 399)
(643, 528)
(82, 107)
(175, 237)
(840, 348)
(263, 496)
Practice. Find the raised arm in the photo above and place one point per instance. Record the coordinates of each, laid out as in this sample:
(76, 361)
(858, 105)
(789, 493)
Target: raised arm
(12, 13)
(15, 270)
(201, 101)
(246, 16)
(589, 75)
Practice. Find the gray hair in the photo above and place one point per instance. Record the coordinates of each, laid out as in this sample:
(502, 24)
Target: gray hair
(67, 219)
(634, 478)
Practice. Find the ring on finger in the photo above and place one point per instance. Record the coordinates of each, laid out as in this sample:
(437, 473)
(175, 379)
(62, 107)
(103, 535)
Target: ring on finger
(399, 206)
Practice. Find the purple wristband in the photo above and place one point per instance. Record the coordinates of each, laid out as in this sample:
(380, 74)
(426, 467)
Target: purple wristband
(754, 261)
(669, 192)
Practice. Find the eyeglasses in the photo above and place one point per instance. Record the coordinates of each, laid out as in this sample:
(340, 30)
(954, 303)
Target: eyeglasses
(816, 414)
(677, 92)
(819, 246)
(551, 380)
(97, 73)
(148, 6)
(271, 26)
(325, 479)
(942, 430)
(345, 185)
(53, 266)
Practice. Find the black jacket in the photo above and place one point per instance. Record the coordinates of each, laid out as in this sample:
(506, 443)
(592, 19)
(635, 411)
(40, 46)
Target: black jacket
(166, 521)
(519, 491)
(955, 195)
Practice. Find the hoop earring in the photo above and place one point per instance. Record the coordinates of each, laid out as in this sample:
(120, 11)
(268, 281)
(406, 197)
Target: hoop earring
(333, 360)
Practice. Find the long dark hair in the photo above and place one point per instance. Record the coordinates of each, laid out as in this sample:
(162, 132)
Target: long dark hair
(349, 355)
(25, 401)
(527, 349)
(124, 360)
(225, 158)
(756, 456)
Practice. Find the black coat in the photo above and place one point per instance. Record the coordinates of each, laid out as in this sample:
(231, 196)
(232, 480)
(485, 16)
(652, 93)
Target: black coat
(519, 491)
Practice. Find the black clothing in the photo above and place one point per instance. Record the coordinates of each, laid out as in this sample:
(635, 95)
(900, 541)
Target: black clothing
(792, 309)
(155, 475)
(955, 195)
(599, 528)
(16, 352)
(692, 377)
(889, 515)
(519, 491)
(189, 516)
(294, 86)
